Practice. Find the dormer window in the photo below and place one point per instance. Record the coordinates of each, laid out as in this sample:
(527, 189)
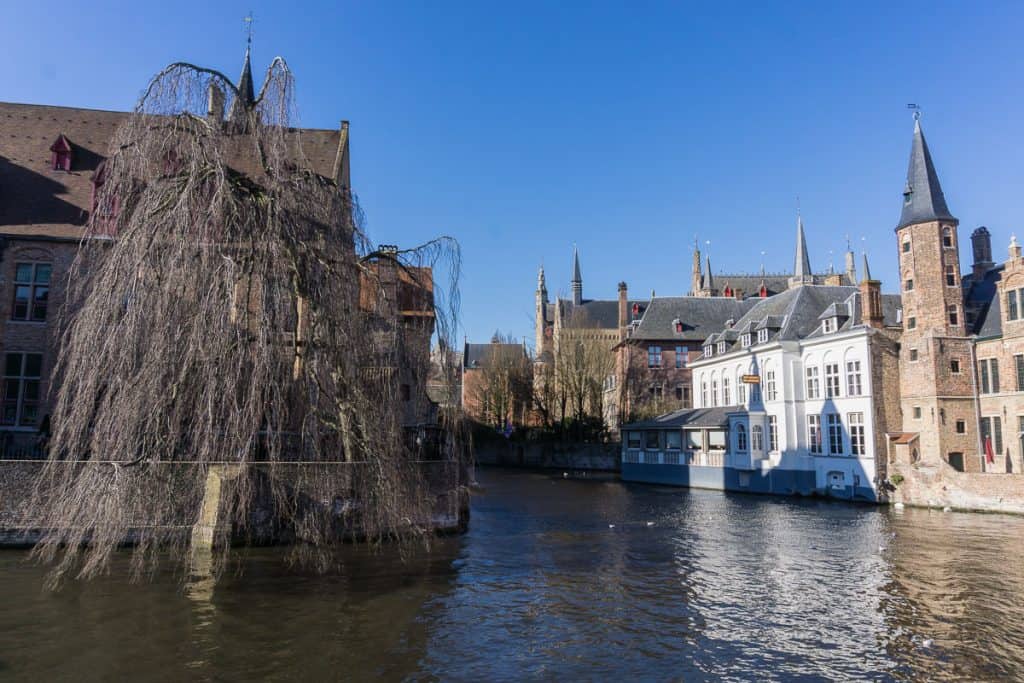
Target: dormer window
(762, 336)
(677, 324)
(830, 325)
(61, 152)
(636, 310)
(721, 347)
(745, 340)
(709, 351)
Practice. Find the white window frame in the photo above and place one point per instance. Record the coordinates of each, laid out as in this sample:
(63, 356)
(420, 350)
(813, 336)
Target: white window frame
(745, 340)
(813, 375)
(762, 336)
(857, 442)
(832, 383)
(814, 440)
(854, 385)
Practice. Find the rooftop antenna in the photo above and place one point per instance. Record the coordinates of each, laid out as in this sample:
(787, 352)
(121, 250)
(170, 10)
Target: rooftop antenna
(916, 109)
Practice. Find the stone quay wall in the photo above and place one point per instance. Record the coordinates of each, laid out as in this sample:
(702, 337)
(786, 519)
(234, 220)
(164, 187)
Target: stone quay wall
(939, 485)
(598, 457)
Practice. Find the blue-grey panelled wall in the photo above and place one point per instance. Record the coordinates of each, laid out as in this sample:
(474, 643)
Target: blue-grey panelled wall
(775, 481)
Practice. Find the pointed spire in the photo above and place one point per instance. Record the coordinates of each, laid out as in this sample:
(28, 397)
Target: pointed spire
(867, 271)
(923, 200)
(541, 281)
(246, 98)
(577, 277)
(709, 281)
(802, 265)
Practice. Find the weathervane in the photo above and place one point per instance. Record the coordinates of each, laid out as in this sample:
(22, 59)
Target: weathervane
(248, 27)
(916, 109)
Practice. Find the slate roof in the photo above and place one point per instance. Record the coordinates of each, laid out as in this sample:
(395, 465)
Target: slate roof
(923, 198)
(796, 313)
(39, 201)
(981, 303)
(596, 313)
(476, 355)
(700, 317)
(696, 417)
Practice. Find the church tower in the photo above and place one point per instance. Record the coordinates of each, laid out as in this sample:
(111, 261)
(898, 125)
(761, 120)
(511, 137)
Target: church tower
(936, 386)
(541, 313)
(696, 279)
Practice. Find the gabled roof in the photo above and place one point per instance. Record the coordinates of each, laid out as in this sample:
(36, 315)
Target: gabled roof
(923, 200)
(477, 355)
(700, 316)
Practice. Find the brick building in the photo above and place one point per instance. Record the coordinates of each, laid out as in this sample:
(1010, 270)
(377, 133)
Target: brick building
(51, 163)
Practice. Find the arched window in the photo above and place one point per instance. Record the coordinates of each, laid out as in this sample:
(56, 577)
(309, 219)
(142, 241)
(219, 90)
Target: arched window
(714, 392)
(757, 437)
(947, 237)
(741, 437)
(704, 394)
(726, 397)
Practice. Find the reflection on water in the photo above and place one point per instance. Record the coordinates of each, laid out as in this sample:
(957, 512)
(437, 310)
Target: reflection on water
(565, 579)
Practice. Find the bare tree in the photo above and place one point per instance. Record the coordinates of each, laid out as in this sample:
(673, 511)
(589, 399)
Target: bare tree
(236, 315)
(503, 388)
(583, 360)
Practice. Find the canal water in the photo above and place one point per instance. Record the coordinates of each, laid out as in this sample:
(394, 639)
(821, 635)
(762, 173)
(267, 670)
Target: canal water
(559, 579)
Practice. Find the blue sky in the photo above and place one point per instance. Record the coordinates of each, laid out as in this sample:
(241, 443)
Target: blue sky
(628, 129)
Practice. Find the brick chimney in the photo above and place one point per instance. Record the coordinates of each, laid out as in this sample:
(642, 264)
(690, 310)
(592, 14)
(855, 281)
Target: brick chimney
(870, 298)
(623, 310)
(214, 103)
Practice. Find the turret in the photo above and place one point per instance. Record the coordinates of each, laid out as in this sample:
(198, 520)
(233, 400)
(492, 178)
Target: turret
(540, 313)
(577, 278)
(870, 298)
(696, 278)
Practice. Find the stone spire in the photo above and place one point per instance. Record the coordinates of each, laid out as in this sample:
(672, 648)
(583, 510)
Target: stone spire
(802, 273)
(577, 278)
(542, 285)
(923, 200)
(246, 98)
(696, 278)
(851, 263)
(867, 270)
(709, 280)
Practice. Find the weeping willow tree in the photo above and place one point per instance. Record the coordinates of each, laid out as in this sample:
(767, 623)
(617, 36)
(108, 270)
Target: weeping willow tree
(226, 313)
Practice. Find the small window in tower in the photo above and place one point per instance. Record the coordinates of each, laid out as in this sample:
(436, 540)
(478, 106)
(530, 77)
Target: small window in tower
(950, 276)
(913, 354)
(947, 237)
(906, 246)
(954, 317)
(961, 427)
(954, 366)
(911, 323)
(917, 412)
(908, 284)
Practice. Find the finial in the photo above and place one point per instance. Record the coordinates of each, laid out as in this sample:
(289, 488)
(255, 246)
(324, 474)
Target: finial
(248, 27)
(798, 206)
(916, 109)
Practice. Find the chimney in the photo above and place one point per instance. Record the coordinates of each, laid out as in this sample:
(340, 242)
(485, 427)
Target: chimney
(981, 245)
(870, 298)
(214, 103)
(1014, 248)
(623, 310)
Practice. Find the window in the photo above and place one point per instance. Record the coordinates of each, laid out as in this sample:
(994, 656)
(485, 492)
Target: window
(716, 439)
(835, 434)
(31, 291)
(954, 366)
(853, 382)
(741, 437)
(906, 246)
(21, 388)
(721, 347)
(714, 392)
(656, 392)
(686, 396)
(709, 351)
(988, 370)
(1018, 362)
(726, 396)
(681, 352)
(1011, 305)
(992, 431)
(954, 318)
(679, 392)
(762, 336)
(828, 325)
(654, 356)
(773, 433)
(61, 154)
(911, 323)
(678, 325)
(741, 392)
(856, 421)
(651, 441)
(917, 412)
(950, 276)
(908, 284)
(633, 440)
(831, 380)
(814, 434)
(673, 440)
(406, 392)
(703, 394)
(757, 437)
(913, 354)
(813, 385)
(745, 340)
(770, 392)
(947, 238)
(961, 427)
